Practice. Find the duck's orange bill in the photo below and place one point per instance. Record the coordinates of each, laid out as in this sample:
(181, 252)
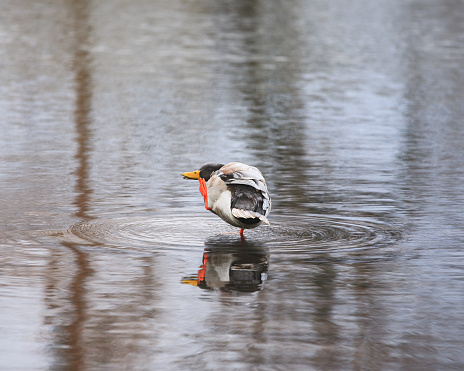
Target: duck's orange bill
(191, 175)
(190, 281)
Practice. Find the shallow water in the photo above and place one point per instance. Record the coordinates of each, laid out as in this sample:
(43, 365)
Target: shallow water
(352, 111)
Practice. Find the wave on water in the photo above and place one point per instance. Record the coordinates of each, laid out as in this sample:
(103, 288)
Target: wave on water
(308, 234)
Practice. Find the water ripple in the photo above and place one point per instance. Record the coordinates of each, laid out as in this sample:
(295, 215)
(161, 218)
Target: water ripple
(308, 234)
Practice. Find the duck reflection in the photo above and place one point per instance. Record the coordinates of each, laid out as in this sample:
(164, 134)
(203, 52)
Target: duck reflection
(231, 266)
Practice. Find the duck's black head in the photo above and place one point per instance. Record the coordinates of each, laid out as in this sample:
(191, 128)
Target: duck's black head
(205, 171)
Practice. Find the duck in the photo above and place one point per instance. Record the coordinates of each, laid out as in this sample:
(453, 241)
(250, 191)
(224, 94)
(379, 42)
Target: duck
(235, 192)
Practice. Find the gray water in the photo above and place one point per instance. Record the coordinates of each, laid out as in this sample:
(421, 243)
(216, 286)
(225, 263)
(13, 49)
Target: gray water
(352, 110)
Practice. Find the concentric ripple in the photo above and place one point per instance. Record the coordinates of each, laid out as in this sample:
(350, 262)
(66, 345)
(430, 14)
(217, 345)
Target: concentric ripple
(153, 233)
(310, 234)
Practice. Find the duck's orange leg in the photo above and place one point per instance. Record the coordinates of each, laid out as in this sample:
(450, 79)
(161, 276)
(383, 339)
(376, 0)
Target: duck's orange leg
(204, 192)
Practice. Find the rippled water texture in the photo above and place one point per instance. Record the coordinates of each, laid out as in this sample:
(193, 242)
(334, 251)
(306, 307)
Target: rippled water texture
(303, 234)
(353, 111)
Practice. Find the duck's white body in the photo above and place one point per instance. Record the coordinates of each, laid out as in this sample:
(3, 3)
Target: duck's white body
(220, 194)
(236, 192)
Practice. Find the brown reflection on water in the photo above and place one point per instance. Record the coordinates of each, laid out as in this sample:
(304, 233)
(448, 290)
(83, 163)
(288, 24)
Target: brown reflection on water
(68, 344)
(67, 314)
(266, 79)
(370, 349)
(432, 149)
(82, 113)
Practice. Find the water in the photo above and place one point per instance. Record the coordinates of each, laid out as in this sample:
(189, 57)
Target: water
(351, 110)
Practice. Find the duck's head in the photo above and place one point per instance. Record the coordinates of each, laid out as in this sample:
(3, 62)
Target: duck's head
(204, 172)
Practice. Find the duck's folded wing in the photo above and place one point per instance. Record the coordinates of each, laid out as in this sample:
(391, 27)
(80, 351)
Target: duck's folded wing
(249, 191)
(246, 178)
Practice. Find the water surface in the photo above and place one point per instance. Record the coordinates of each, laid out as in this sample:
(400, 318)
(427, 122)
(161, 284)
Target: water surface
(352, 111)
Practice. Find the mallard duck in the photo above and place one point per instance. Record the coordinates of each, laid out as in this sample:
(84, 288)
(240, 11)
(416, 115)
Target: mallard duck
(236, 192)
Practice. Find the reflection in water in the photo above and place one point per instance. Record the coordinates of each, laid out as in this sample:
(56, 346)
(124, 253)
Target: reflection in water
(82, 62)
(267, 81)
(68, 313)
(228, 266)
(68, 344)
